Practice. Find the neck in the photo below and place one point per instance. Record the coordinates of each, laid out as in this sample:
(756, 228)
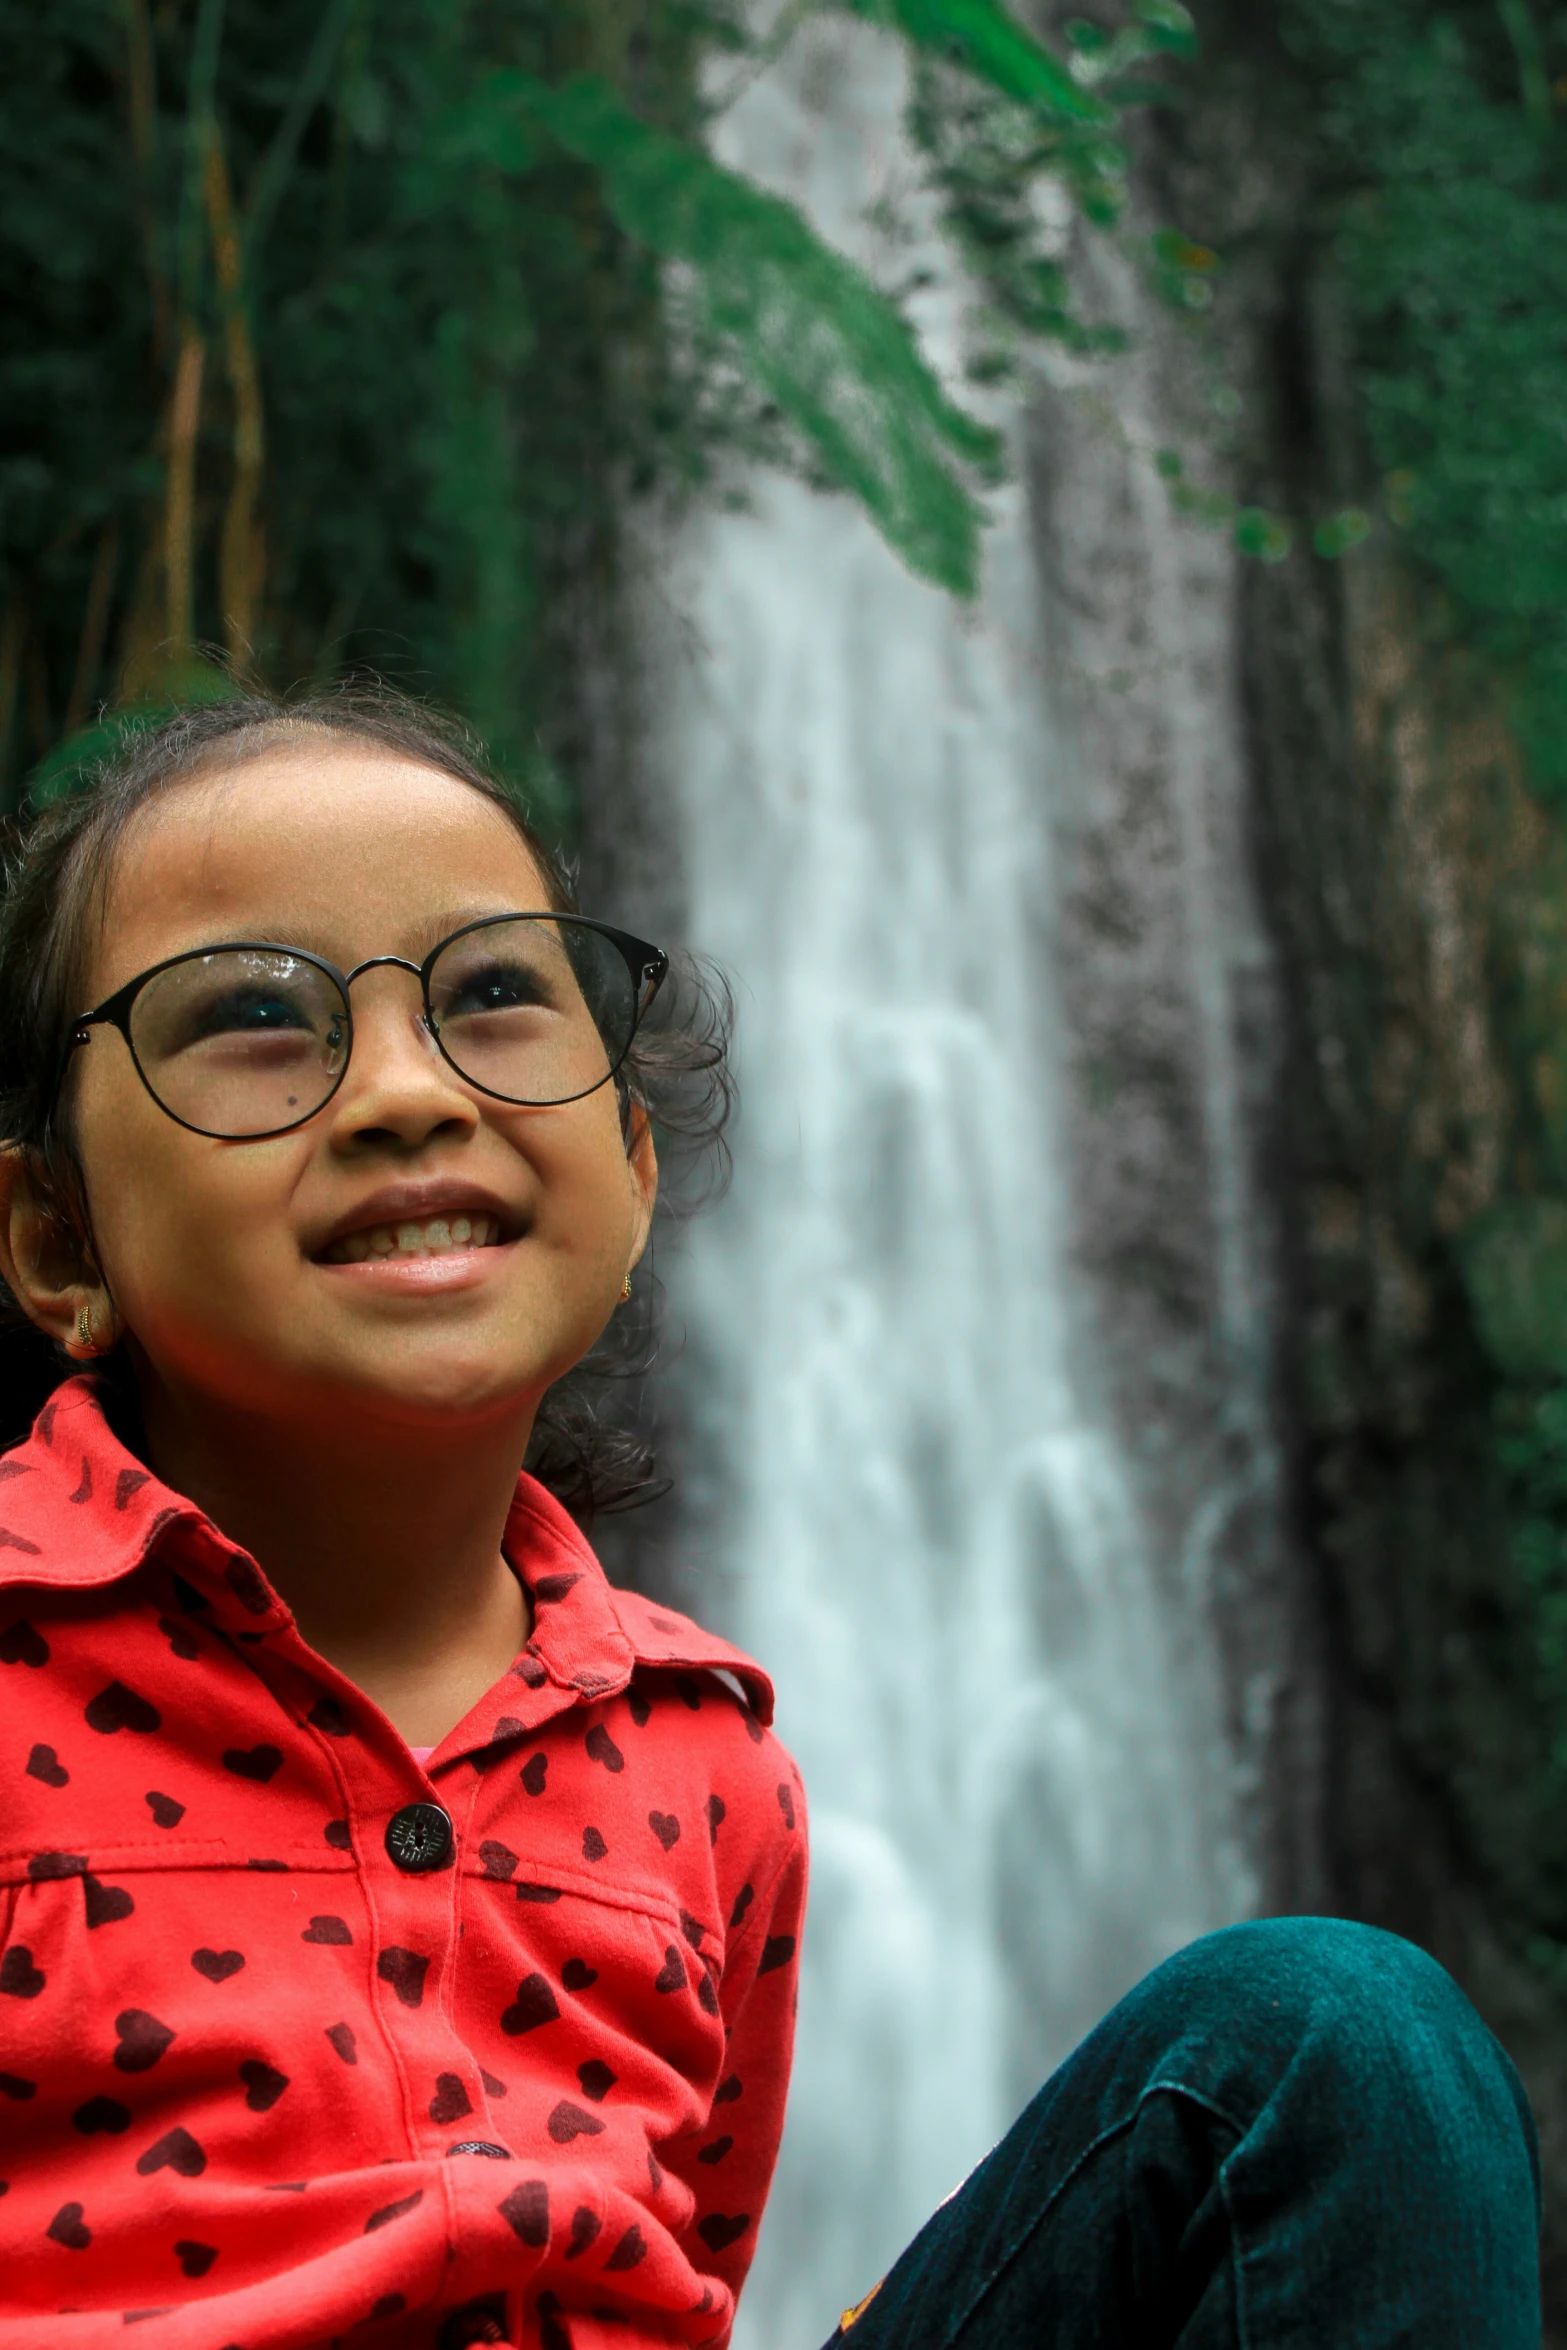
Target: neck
(386, 1543)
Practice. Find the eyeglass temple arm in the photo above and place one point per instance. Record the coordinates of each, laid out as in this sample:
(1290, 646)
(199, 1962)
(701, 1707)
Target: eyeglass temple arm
(651, 975)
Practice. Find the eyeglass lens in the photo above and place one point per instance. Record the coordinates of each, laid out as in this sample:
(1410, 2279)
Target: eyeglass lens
(242, 1041)
(533, 1011)
(250, 1040)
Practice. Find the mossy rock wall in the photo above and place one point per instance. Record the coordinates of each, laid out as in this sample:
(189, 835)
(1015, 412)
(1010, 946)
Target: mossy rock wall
(1423, 1334)
(1413, 883)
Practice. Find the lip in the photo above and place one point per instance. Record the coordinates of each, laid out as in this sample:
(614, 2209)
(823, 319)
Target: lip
(415, 1202)
(455, 1268)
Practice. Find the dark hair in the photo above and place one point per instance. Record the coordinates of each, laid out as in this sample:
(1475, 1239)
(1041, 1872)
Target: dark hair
(58, 869)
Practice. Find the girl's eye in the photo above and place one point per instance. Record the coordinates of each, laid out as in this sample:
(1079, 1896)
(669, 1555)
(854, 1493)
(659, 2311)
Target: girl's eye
(501, 987)
(247, 1013)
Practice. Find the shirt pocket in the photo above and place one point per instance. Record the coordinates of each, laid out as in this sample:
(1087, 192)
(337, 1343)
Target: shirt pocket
(587, 2010)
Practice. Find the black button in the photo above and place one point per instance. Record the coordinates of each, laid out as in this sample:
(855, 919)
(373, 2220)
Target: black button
(419, 1837)
(481, 2321)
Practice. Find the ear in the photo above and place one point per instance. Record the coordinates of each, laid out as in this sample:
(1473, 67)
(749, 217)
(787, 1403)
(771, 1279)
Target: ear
(642, 1172)
(46, 1262)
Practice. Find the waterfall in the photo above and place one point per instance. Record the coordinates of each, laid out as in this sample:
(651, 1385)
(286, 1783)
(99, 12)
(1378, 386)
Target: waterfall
(910, 1492)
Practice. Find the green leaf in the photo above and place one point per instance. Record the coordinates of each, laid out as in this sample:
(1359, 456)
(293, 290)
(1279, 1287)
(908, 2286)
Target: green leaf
(1168, 26)
(995, 48)
(69, 767)
(1538, 709)
(1335, 534)
(809, 327)
(1266, 536)
(1514, 1263)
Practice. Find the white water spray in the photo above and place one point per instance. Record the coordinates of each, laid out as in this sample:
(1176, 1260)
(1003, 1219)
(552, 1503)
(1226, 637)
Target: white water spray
(930, 1535)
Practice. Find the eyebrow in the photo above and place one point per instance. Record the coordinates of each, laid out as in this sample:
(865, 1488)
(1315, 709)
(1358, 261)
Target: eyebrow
(453, 918)
(306, 938)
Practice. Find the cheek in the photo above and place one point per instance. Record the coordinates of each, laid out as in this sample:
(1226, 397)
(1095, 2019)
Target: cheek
(586, 1200)
(174, 1216)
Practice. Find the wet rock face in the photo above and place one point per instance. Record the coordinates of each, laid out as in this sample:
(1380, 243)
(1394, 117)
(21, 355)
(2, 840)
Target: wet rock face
(1171, 990)
(1398, 861)
(1387, 865)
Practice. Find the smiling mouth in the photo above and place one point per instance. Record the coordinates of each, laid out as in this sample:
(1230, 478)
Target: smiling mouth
(434, 1236)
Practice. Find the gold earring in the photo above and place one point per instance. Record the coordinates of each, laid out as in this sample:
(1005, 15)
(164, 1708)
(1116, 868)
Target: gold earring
(625, 1289)
(86, 1343)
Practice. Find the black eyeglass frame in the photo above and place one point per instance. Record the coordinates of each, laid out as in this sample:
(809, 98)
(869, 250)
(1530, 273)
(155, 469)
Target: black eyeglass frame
(647, 964)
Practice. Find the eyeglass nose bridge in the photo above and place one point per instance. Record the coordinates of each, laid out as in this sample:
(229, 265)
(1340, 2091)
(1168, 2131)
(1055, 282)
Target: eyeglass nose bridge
(397, 963)
(374, 963)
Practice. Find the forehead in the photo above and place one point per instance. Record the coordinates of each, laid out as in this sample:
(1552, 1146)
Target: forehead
(340, 847)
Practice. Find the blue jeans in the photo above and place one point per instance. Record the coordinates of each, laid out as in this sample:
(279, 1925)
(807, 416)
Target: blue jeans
(1297, 2132)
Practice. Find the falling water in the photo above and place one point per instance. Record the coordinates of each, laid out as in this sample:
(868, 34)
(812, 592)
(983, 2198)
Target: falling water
(926, 1522)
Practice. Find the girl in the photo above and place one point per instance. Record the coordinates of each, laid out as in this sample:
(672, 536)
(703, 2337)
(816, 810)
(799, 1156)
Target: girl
(400, 1925)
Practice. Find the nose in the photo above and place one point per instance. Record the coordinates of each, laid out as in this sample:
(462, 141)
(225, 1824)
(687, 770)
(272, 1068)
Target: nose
(399, 1089)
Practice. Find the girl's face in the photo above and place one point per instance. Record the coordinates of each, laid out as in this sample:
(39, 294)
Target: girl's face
(225, 1260)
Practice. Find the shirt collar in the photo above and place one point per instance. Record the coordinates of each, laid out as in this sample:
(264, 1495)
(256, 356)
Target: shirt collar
(78, 1512)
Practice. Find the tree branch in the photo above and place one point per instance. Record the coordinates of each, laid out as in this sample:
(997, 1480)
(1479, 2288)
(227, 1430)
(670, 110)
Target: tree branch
(240, 562)
(273, 170)
(179, 505)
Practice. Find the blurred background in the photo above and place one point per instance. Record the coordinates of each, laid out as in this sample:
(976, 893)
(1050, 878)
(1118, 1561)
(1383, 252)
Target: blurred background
(1040, 542)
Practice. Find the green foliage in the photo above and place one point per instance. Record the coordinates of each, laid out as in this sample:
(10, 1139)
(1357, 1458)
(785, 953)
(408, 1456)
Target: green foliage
(993, 46)
(1010, 163)
(1514, 1260)
(1440, 124)
(337, 333)
(1444, 147)
(453, 376)
(189, 686)
(1265, 535)
(1336, 534)
(988, 157)
(1532, 1450)
(811, 330)
(1183, 272)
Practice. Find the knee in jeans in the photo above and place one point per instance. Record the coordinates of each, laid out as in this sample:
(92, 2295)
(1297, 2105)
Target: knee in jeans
(1369, 2005)
(1303, 1970)
(1303, 1962)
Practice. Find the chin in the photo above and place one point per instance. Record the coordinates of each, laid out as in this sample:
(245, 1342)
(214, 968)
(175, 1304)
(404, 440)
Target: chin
(449, 1400)
(419, 1387)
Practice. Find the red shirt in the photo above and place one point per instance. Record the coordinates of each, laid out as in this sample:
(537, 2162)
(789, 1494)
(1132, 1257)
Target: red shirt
(266, 2081)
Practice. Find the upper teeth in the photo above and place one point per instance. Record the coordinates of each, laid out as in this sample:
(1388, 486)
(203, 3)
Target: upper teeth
(430, 1239)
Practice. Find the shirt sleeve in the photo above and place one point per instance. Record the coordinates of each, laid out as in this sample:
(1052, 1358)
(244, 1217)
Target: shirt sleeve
(729, 2165)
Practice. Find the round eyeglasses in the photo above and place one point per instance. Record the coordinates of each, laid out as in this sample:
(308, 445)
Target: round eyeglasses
(248, 1040)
